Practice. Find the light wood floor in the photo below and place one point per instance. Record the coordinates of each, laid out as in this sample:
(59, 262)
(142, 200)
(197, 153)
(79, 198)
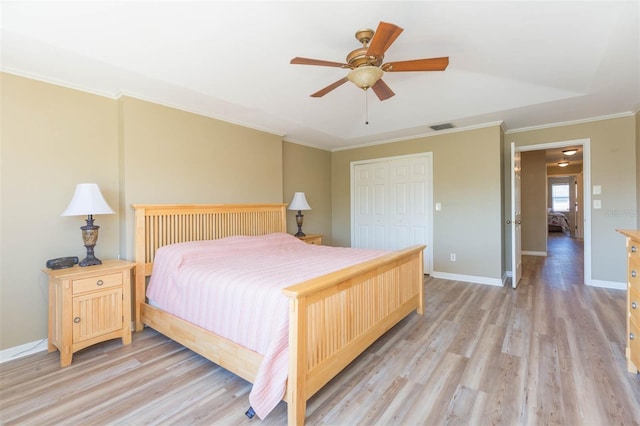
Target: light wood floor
(550, 352)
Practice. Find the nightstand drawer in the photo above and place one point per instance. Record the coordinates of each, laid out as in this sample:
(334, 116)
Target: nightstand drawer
(312, 239)
(98, 282)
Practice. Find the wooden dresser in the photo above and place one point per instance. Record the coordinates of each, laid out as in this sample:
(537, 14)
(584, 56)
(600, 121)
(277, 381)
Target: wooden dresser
(633, 299)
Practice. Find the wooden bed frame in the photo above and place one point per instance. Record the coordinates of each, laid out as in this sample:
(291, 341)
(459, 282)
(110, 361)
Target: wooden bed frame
(333, 318)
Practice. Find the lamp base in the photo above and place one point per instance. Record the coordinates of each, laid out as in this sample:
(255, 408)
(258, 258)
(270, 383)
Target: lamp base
(90, 260)
(299, 218)
(90, 237)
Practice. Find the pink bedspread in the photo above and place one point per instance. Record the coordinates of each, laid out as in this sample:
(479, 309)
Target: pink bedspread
(232, 286)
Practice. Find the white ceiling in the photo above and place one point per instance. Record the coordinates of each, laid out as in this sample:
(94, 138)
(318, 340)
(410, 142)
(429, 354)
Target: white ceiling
(522, 63)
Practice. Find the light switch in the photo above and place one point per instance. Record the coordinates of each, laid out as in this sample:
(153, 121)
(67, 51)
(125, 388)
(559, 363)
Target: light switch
(597, 204)
(438, 206)
(597, 190)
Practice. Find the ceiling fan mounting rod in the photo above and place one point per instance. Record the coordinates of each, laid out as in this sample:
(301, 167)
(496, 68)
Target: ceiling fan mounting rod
(364, 36)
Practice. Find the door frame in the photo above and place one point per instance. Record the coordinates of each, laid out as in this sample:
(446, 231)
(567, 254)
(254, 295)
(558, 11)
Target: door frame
(516, 216)
(586, 188)
(428, 252)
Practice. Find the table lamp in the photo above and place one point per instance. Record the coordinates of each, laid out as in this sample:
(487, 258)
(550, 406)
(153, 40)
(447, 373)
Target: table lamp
(299, 203)
(88, 200)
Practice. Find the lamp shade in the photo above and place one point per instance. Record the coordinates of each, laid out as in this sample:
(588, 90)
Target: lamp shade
(299, 202)
(87, 200)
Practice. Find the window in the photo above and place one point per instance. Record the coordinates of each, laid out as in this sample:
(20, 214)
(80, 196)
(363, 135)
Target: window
(560, 196)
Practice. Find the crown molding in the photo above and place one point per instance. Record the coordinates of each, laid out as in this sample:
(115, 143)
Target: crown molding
(571, 122)
(422, 135)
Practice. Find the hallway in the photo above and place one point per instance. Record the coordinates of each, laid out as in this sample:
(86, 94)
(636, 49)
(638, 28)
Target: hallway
(565, 258)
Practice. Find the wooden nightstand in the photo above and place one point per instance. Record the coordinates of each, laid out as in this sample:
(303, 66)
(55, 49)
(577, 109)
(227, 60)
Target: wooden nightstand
(312, 239)
(88, 305)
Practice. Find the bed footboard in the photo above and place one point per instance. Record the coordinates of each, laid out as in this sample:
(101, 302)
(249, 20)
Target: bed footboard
(334, 318)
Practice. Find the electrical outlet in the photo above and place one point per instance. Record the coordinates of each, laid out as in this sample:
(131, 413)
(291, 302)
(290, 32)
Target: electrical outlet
(452, 257)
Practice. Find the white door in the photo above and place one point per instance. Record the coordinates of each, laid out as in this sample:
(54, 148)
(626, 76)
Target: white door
(391, 206)
(516, 218)
(409, 207)
(370, 206)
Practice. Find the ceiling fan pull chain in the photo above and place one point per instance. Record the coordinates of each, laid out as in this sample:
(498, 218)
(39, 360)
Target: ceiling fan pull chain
(366, 107)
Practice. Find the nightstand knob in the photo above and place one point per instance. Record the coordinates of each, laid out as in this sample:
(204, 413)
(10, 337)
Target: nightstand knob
(633, 305)
(76, 320)
(633, 273)
(631, 336)
(633, 249)
(99, 282)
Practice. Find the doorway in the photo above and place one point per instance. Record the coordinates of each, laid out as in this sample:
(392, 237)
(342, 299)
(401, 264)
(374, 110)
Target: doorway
(585, 218)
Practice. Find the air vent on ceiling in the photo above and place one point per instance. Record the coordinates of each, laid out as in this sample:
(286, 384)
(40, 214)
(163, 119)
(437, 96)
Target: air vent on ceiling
(442, 126)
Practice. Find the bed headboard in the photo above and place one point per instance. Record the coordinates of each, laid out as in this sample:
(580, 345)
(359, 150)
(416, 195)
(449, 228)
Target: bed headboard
(157, 225)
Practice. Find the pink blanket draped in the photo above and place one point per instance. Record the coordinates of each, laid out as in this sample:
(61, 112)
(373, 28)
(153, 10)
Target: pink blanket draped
(232, 287)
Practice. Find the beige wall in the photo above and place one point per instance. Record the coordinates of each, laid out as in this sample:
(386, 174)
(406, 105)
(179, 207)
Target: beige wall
(172, 156)
(533, 201)
(613, 167)
(308, 170)
(138, 152)
(52, 139)
(467, 182)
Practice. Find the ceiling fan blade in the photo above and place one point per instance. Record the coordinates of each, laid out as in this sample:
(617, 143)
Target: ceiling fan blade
(329, 88)
(307, 61)
(382, 90)
(432, 64)
(384, 36)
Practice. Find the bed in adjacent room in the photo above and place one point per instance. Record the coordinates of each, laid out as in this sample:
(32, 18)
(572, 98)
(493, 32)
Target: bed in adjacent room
(557, 222)
(229, 283)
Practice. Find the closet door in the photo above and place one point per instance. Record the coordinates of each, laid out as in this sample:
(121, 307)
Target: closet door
(408, 202)
(370, 205)
(391, 205)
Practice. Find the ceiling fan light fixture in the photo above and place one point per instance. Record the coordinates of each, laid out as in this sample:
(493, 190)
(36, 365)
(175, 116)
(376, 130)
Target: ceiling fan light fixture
(365, 76)
(563, 163)
(570, 152)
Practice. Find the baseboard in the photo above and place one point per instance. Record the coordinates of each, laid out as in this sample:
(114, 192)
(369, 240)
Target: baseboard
(613, 285)
(534, 253)
(16, 352)
(468, 278)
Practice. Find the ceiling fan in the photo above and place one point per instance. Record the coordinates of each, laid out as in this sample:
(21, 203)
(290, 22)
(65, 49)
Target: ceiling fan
(366, 62)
